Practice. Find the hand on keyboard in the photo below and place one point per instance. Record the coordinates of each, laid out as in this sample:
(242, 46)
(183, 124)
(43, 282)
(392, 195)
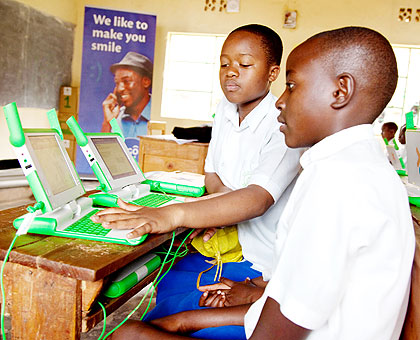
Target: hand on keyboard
(143, 219)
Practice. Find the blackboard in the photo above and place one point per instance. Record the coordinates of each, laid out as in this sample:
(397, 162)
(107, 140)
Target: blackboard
(36, 51)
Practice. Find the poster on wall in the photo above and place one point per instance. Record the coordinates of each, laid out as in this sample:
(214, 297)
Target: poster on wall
(117, 71)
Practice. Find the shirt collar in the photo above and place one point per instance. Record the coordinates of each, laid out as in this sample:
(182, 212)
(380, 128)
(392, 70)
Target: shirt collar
(334, 143)
(145, 115)
(254, 118)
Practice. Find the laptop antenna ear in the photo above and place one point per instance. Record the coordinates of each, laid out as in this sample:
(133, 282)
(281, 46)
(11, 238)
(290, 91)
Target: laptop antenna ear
(116, 128)
(54, 123)
(16, 138)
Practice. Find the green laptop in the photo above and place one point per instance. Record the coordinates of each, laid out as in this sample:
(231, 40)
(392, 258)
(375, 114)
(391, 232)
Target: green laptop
(61, 209)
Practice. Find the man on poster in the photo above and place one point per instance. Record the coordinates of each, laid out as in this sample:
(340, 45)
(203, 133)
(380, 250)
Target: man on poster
(130, 101)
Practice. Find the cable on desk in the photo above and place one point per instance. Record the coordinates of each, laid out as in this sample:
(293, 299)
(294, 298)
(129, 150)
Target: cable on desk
(153, 285)
(104, 326)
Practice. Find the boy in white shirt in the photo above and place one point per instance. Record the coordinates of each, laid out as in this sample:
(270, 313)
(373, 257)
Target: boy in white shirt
(249, 169)
(345, 242)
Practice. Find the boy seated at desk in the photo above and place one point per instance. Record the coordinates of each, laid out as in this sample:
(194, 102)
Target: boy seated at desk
(250, 173)
(345, 242)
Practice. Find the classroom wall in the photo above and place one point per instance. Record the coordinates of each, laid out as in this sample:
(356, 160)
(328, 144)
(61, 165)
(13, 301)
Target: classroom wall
(313, 16)
(189, 16)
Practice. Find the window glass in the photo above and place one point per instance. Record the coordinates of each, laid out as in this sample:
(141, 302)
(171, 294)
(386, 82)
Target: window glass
(407, 94)
(191, 87)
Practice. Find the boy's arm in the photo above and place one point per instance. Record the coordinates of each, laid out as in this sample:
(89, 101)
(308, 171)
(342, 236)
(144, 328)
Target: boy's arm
(228, 209)
(192, 321)
(272, 324)
(173, 326)
(214, 184)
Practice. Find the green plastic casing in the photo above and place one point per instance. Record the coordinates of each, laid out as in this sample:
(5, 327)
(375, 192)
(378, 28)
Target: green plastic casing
(105, 186)
(116, 128)
(16, 138)
(172, 188)
(47, 226)
(54, 123)
(78, 133)
(83, 141)
(117, 288)
(409, 120)
(101, 199)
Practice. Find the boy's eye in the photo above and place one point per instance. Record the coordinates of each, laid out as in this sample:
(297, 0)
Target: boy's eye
(245, 65)
(224, 65)
(290, 86)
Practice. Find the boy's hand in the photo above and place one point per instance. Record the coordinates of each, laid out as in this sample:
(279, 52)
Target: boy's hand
(143, 220)
(208, 234)
(230, 293)
(212, 298)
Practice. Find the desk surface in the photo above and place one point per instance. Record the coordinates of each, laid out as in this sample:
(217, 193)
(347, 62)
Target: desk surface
(75, 258)
(62, 277)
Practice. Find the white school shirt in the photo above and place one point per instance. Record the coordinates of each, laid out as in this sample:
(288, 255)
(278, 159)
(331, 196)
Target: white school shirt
(254, 153)
(345, 244)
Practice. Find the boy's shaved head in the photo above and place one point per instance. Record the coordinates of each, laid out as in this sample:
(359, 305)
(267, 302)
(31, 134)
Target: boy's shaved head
(271, 41)
(365, 54)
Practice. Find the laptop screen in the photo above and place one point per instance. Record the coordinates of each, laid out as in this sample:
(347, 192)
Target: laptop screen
(52, 163)
(55, 171)
(114, 157)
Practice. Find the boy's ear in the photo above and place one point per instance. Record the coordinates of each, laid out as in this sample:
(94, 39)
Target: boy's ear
(274, 73)
(344, 90)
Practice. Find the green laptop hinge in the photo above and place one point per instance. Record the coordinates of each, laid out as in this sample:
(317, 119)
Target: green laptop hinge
(16, 138)
(39, 193)
(105, 186)
(54, 123)
(77, 131)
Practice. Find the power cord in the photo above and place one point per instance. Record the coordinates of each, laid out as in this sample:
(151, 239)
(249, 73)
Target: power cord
(152, 286)
(23, 229)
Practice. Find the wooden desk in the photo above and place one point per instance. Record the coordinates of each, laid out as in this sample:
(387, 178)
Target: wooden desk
(156, 153)
(52, 283)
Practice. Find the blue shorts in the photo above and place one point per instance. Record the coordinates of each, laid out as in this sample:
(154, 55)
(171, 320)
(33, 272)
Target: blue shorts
(177, 292)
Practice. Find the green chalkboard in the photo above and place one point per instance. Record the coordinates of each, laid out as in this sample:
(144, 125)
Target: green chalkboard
(36, 51)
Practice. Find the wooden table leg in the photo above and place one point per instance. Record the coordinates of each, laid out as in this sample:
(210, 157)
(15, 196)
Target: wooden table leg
(44, 305)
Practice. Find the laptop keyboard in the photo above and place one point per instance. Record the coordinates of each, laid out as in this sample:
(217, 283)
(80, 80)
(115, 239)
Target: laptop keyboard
(153, 200)
(86, 226)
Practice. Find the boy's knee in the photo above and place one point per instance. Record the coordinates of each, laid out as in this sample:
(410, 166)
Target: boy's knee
(129, 331)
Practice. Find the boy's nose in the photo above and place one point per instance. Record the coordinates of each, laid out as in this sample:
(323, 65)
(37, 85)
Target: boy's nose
(280, 105)
(232, 71)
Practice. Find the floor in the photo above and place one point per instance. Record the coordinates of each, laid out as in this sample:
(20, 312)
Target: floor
(115, 318)
(112, 320)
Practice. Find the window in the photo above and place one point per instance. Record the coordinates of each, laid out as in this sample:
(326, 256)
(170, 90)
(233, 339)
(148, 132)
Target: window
(191, 88)
(407, 94)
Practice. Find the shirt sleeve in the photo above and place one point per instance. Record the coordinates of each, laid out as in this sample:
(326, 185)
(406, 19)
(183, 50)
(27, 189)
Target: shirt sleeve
(209, 162)
(320, 237)
(278, 166)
